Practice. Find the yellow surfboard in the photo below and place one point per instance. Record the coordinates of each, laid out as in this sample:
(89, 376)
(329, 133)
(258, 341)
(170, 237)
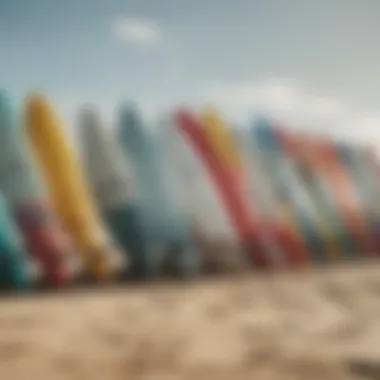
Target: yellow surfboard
(229, 151)
(67, 186)
(223, 142)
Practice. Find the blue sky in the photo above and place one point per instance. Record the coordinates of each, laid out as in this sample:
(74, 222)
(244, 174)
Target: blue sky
(313, 63)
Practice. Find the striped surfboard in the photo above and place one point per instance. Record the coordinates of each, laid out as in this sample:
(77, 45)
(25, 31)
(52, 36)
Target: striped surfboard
(167, 229)
(227, 148)
(346, 196)
(234, 203)
(218, 245)
(370, 166)
(315, 167)
(308, 195)
(285, 182)
(358, 169)
(278, 237)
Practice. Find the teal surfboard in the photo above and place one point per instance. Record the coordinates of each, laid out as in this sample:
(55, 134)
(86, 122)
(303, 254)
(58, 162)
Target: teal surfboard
(14, 266)
(167, 231)
(24, 192)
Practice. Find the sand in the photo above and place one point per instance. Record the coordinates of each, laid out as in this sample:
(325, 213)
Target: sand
(311, 325)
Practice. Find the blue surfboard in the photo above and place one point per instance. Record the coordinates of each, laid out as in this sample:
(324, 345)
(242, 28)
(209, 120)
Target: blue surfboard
(276, 164)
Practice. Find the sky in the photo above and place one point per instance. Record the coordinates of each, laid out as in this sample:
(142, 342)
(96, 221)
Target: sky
(312, 64)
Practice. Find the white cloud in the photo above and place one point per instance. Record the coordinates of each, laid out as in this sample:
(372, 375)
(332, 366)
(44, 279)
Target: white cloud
(138, 31)
(282, 99)
(288, 102)
(278, 97)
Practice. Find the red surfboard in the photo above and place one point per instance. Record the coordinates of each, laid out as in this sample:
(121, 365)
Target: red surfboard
(371, 169)
(246, 227)
(274, 239)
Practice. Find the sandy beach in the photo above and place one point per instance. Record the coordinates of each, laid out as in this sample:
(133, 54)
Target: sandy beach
(310, 325)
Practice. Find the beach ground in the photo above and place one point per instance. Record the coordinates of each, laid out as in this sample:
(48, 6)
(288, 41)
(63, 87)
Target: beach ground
(320, 324)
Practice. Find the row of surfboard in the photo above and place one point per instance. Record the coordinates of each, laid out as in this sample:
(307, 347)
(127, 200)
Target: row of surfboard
(185, 197)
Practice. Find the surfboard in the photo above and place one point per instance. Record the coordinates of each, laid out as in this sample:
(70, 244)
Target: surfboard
(278, 237)
(23, 189)
(241, 217)
(369, 163)
(358, 169)
(276, 166)
(111, 181)
(167, 229)
(315, 167)
(292, 144)
(346, 196)
(219, 248)
(309, 197)
(67, 186)
(15, 267)
(310, 224)
(227, 149)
